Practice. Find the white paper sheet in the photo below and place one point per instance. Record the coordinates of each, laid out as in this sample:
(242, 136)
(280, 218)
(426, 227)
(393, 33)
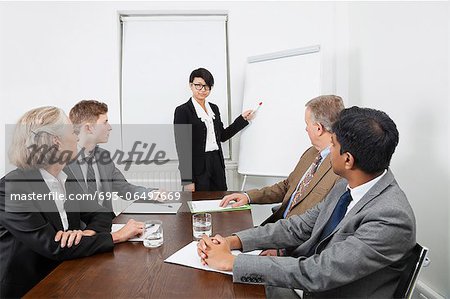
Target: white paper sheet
(152, 208)
(212, 206)
(261, 212)
(187, 256)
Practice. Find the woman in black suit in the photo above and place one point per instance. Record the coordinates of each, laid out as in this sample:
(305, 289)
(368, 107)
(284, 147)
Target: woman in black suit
(202, 166)
(37, 234)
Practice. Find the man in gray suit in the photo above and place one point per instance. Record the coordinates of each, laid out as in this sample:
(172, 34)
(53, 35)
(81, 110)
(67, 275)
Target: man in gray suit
(353, 244)
(94, 169)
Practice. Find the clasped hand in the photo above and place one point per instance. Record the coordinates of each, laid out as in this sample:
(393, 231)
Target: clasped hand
(215, 252)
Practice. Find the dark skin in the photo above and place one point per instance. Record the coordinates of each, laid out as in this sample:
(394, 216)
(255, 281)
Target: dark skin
(344, 165)
(216, 251)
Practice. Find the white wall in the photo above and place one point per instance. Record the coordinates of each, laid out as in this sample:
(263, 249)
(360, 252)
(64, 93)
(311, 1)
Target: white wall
(399, 64)
(55, 53)
(389, 56)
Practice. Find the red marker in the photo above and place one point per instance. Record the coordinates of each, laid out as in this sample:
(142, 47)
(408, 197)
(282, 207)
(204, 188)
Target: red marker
(259, 105)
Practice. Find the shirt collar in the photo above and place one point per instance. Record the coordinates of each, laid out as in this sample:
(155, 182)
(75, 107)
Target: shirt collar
(324, 153)
(358, 192)
(82, 156)
(200, 112)
(61, 177)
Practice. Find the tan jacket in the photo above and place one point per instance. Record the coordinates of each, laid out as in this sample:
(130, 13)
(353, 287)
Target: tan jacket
(322, 182)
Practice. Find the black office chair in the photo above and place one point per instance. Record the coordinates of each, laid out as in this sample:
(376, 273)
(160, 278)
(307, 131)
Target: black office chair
(409, 276)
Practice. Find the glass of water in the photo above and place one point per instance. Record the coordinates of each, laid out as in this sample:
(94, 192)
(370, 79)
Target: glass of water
(201, 224)
(153, 234)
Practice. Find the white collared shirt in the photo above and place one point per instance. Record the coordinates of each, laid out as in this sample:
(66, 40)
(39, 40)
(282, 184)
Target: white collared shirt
(358, 192)
(57, 187)
(207, 119)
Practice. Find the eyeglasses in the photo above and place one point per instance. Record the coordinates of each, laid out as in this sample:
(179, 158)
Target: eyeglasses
(201, 86)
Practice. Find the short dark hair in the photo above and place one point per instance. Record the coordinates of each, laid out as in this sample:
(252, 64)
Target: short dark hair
(370, 135)
(204, 74)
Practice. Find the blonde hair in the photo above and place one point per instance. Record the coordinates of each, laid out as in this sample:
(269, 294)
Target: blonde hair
(325, 110)
(33, 140)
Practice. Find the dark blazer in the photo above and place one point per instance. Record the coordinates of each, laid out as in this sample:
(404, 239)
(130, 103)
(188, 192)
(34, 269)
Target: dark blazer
(194, 147)
(111, 178)
(28, 228)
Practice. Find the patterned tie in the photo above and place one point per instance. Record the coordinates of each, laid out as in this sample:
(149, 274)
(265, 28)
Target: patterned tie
(90, 176)
(337, 216)
(306, 180)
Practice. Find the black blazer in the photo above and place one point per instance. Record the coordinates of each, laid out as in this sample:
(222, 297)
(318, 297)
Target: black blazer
(185, 114)
(27, 246)
(111, 178)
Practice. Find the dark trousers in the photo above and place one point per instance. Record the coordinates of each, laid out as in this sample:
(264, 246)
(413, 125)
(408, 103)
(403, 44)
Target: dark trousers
(213, 178)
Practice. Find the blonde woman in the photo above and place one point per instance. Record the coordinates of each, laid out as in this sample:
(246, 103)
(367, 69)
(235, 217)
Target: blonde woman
(41, 222)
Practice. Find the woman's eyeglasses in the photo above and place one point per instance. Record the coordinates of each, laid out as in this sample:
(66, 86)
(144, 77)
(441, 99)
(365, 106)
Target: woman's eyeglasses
(201, 86)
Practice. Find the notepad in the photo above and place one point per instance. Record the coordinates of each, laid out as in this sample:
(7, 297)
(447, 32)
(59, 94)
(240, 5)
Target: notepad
(187, 256)
(152, 208)
(200, 206)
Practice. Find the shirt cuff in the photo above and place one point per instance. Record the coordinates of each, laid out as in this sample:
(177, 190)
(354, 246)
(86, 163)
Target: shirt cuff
(248, 197)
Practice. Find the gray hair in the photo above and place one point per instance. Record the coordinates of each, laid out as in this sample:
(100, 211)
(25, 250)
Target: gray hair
(325, 110)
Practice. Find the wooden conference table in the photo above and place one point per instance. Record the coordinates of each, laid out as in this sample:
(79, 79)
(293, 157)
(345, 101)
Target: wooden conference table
(132, 270)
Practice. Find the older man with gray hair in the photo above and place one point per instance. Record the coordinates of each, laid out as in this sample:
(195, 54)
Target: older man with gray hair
(313, 177)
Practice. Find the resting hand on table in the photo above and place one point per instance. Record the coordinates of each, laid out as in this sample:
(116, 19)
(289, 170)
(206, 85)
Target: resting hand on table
(238, 198)
(72, 237)
(132, 229)
(189, 187)
(215, 252)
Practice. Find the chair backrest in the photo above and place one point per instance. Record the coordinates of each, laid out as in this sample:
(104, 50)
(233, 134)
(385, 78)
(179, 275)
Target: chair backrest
(409, 276)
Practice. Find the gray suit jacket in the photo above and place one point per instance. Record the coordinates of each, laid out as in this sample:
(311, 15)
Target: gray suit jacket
(112, 179)
(362, 258)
